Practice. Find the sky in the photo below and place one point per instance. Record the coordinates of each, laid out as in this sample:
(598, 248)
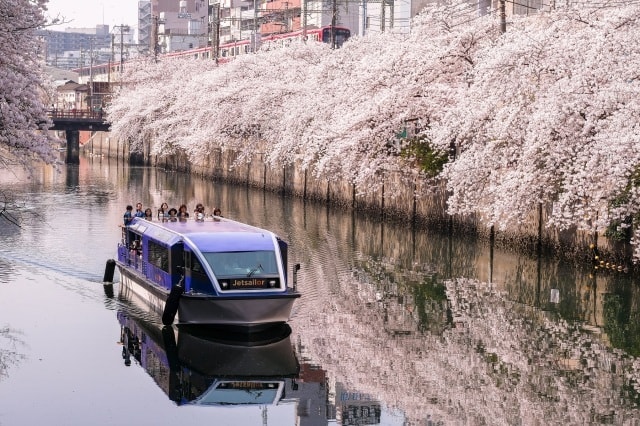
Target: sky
(89, 13)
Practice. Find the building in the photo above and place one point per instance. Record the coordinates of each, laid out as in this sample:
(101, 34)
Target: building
(75, 48)
(72, 47)
(173, 25)
(71, 96)
(145, 27)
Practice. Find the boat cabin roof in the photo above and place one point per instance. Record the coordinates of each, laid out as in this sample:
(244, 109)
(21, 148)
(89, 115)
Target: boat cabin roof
(220, 235)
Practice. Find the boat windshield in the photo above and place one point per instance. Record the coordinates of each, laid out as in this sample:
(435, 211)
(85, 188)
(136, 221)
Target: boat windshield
(254, 392)
(242, 263)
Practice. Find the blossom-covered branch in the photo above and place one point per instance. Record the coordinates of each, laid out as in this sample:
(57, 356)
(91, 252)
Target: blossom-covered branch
(23, 89)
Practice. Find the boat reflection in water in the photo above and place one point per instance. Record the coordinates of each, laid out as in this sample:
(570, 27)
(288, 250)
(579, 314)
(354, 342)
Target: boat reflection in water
(211, 367)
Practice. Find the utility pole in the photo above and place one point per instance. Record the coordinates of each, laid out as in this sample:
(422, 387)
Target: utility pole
(154, 38)
(91, 75)
(113, 37)
(123, 28)
(255, 27)
(503, 17)
(214, 25)
(364, 16)
(304, 20)
(122, 49)
(334, 17)
(383, 9)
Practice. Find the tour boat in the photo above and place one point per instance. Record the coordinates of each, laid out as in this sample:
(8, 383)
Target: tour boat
(207, 272)
(202, 366)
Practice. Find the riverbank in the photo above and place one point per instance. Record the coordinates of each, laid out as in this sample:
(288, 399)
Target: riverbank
(400, 197)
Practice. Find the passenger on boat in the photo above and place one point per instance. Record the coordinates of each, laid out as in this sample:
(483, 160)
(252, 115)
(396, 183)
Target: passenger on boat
(199, 212)
(128, 216)
(163, 212)
(136, 245)
(173, 215)
(135, 252)
(148, 214)
(139, 212)
(183, 214)
(217, 212)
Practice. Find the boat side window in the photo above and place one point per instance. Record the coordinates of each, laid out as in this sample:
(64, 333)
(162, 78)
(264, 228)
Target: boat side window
(158, 256)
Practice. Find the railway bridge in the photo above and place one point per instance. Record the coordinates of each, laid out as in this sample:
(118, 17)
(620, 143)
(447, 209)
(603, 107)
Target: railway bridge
(72, 121)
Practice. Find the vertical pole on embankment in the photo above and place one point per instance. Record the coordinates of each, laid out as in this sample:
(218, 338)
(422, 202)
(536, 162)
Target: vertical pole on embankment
(539, 258)
(304, 191)
(414, 210)
(539, 248)
(284, 180)
(492, 242)
(382, 202)
(73, 147)
(353, 195)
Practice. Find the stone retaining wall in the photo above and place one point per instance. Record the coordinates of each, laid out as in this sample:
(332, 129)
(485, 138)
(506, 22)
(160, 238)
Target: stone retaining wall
(398, 199)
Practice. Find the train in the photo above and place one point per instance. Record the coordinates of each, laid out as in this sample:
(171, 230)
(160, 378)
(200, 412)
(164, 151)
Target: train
(229, 50)
(241, 47)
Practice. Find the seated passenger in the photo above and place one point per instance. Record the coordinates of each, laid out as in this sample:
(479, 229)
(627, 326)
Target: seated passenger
(173, 215)
(163, 212)
(199, 212)
(183, 214)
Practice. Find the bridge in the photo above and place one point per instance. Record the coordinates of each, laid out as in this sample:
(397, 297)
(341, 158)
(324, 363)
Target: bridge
(72, 121)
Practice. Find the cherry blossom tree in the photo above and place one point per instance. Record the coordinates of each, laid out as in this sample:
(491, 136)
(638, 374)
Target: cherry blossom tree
(549, 118)
(23, 91)
(543, 115)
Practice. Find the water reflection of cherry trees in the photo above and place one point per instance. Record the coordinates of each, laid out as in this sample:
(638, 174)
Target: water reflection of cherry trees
(10, 355)
(482, 360)
(386, 313)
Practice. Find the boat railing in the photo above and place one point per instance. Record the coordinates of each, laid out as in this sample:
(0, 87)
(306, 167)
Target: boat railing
(128, 256)
(133, 258)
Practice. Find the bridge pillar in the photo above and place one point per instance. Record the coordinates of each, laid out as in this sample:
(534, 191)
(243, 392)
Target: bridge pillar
(73, 147)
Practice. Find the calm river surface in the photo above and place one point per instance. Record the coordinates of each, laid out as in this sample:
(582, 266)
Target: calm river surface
(394, 327)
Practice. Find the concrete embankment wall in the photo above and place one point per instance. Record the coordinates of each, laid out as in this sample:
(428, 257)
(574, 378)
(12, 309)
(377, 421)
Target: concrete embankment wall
(399, 198)
(102, 144)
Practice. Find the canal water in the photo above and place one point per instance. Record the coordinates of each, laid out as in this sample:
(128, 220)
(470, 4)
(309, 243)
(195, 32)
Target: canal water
(396, 326)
